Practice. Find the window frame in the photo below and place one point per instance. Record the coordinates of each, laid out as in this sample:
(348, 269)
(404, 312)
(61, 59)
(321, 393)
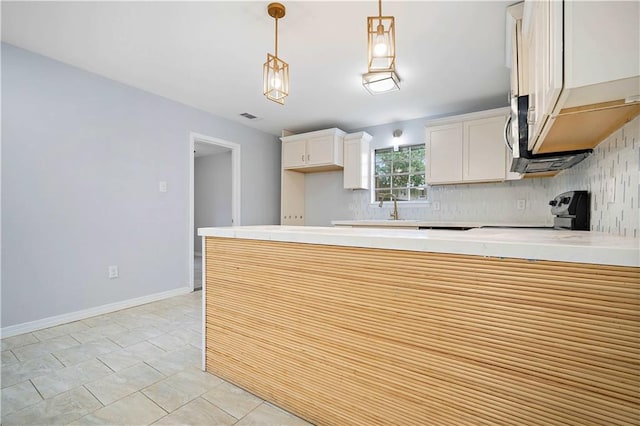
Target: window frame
(372, 192)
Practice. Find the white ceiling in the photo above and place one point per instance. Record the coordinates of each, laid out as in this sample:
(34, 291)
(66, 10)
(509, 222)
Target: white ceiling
(209, 55)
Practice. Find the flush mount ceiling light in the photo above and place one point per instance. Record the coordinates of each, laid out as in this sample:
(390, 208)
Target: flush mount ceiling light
(381, 48)
(275, 70)
(380, 82)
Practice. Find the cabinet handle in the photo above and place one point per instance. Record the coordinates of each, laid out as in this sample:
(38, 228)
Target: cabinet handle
(308, 157)
(302, 157)
(507, 130)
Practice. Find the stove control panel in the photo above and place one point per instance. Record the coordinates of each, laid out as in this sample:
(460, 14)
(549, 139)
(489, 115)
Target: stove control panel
(571, 210)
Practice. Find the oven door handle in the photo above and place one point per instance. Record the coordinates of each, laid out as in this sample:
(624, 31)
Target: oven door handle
(507, 130)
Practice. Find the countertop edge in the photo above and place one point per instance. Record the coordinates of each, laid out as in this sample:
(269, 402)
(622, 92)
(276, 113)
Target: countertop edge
(573, 246)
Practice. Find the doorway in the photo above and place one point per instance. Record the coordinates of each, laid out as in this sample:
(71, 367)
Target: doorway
(218, 202)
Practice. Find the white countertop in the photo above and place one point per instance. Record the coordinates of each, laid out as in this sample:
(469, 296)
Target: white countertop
(534, 244)
(409, 223)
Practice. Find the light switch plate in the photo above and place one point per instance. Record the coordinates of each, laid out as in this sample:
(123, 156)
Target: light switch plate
(435, 205)
(162, 186)
(113, 271)
(521, 204)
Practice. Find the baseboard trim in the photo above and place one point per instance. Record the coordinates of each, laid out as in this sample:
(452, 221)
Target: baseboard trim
(28, 327)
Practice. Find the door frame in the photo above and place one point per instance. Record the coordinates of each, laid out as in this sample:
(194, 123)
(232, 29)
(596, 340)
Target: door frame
(235, 189)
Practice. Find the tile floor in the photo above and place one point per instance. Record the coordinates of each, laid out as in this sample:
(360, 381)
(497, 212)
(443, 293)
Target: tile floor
(138, 366)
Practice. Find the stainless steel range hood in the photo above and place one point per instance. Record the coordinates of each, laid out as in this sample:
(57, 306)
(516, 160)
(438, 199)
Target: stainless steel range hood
(525, 161)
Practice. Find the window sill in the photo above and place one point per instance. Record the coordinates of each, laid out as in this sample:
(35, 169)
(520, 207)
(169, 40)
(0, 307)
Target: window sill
(412, 204)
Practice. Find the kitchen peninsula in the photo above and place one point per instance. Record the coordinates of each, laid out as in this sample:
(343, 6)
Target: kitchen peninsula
(371, 326)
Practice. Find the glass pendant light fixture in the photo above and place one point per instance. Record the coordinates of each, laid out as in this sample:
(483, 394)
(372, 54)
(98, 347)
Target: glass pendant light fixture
(381, 37)
(381, 48)
(275, 70)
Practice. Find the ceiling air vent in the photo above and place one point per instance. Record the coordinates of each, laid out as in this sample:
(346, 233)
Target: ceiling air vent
(248, 116)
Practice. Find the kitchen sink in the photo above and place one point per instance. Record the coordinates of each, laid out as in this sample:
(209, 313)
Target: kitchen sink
(449, 228)
(408, 224)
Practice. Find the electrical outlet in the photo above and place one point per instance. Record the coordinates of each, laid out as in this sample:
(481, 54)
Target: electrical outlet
(113, 271)
(611, 190)
(435, 205)
(162, 186)
(521, 204)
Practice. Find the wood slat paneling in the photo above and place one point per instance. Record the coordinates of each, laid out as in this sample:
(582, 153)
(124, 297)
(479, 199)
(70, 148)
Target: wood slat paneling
(347, 335)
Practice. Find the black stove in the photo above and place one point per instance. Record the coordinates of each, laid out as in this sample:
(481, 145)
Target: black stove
(571, 211)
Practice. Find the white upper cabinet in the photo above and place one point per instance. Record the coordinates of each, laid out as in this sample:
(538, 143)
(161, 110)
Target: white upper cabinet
(444, 153)
(323, 150)
(545, 45)
(294, 154)
(356, 161)
(483, 150)
(517, 51)
(584, 71)
(467, 148)
(314, 151)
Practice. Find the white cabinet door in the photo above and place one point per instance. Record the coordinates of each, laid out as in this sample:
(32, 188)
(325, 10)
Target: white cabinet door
(356, 161)
(546, 65)
(320, 151)
(444, 153)
(483, 150)
(294, 154)
(555, 48)
(536, 69)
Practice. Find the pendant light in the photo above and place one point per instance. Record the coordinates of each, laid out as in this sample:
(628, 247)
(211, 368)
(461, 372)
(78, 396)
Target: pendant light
(381, 48)
(275, 70)
(381, 37)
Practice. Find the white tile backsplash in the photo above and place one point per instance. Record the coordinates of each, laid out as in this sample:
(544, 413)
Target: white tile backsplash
(617, 157)
(487, 202)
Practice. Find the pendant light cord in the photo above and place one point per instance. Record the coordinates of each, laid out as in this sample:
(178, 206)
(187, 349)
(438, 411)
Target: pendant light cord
(380, 12)
(276, 37)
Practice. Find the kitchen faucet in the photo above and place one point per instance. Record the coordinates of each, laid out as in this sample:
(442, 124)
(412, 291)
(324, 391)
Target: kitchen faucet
(393, 198)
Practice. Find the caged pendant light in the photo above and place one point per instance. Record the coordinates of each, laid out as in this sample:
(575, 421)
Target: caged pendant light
(381, 41)
(275, 70)
(381, 48)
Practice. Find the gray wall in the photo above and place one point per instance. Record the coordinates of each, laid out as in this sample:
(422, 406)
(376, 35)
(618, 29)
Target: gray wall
(81, 160)
(212, 204)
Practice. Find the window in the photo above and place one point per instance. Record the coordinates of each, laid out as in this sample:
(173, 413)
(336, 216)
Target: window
(400, 172)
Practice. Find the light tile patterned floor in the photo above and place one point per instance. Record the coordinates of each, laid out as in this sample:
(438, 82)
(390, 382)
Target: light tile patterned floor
(137, 366)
